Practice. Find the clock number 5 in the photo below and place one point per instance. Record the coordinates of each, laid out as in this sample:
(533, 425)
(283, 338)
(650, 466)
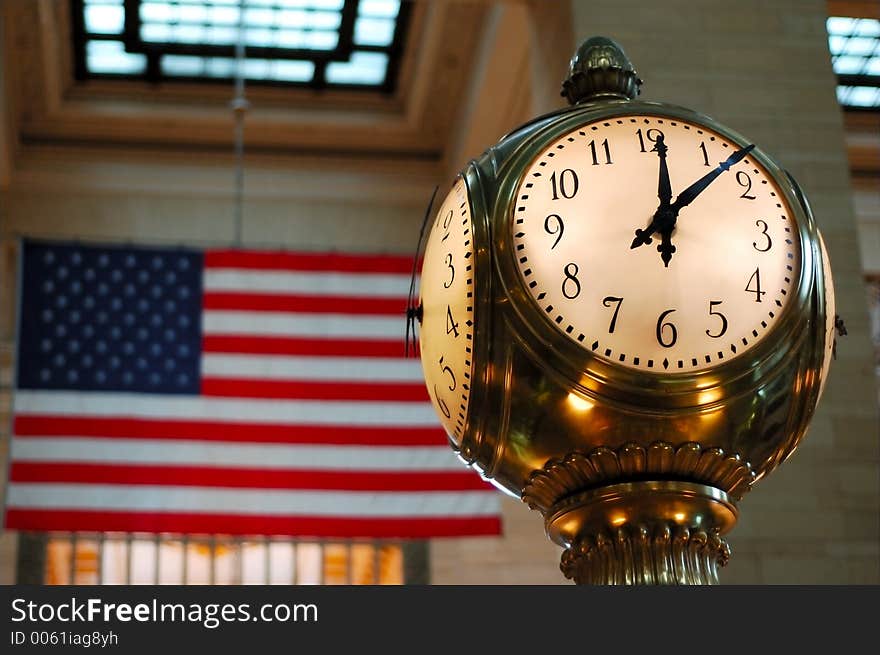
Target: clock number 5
(661, 328)
(712, 305)
(606, 301)
(448, 370)
(446, 285)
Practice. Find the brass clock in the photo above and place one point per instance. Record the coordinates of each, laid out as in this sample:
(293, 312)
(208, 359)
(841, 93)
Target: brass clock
(627, 320)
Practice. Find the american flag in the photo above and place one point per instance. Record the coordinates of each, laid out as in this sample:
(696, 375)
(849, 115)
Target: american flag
(227, 391)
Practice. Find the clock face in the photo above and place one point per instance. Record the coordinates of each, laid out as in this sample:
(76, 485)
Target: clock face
(703, 281)
(447, 300)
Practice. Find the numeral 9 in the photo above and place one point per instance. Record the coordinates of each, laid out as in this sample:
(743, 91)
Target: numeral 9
(556, 226)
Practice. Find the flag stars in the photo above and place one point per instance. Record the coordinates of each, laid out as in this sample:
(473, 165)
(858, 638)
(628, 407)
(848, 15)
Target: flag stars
(103, 318)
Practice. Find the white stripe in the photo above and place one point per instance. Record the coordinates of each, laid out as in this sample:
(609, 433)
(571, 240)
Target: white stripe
(253, 455)
(198, 408)
(274, 367)
(365, 285)
(287, 324)
(272, 502)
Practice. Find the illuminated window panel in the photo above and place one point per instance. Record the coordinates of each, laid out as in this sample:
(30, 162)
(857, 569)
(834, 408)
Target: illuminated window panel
(855, 56)
(122, 559)
(352, 44)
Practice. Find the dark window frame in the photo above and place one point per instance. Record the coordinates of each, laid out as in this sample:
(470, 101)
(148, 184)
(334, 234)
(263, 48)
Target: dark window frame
(321, 58)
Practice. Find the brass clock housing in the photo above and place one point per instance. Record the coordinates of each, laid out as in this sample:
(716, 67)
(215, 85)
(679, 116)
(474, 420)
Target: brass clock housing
(636, 472)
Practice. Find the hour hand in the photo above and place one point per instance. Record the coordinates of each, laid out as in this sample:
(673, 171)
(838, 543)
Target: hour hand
(664, 188)
(666, 248)
(643, 237)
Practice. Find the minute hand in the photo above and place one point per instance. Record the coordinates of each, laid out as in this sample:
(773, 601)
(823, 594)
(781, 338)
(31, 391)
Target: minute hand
(687, 196)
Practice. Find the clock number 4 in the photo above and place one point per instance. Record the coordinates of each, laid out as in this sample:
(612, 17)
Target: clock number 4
(756, 281)
(566, 185)
(451, 325)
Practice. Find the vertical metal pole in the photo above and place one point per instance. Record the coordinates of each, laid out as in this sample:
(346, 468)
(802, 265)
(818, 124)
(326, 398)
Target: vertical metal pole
(239, 107)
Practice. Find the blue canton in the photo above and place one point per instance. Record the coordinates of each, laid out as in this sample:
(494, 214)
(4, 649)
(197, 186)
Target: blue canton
(110, 319)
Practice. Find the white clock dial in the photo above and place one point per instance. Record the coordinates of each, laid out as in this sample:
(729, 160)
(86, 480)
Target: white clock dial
(447, 300)
(736, 258)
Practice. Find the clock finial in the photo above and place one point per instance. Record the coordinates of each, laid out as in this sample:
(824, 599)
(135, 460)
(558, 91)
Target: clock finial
(599, 70)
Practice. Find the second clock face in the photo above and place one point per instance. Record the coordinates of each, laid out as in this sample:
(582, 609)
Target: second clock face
(723, 258)
(447, 300)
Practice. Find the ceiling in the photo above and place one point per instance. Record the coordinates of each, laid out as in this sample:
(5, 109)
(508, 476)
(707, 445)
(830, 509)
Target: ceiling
(47, 109)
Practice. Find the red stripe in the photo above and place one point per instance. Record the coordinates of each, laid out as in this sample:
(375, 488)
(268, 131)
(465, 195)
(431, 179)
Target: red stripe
(310, 390)
(293, 346)
(237, 524)
(279, 302)
(194, 476)
(290, 261)
(130, 428)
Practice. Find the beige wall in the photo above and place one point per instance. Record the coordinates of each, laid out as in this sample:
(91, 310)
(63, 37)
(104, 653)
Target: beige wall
(761, 67)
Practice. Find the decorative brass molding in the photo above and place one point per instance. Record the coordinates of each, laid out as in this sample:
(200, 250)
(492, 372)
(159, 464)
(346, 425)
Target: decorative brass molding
(602, 466)
(638, 554)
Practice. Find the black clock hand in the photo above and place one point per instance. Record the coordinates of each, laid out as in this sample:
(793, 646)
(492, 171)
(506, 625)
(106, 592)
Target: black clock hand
(666, 248)
(414, 311)
(664, 192)
(664, 188)
(687, 196)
